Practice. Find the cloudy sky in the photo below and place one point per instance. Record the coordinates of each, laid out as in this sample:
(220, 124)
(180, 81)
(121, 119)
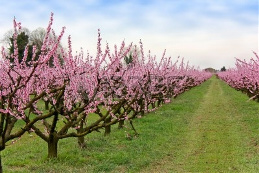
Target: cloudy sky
(207, 33)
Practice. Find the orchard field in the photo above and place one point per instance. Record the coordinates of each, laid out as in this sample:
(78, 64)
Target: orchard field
(211, 128)
(123, 111)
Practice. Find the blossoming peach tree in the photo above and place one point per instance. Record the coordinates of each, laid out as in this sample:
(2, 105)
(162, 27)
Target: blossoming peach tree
(244, 77)
(18, 82)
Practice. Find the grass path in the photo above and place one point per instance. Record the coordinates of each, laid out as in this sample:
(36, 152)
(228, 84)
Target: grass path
(211, 128)
(218, 138)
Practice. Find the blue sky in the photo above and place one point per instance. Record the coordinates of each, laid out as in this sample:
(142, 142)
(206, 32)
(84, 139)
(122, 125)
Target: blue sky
(208, 33)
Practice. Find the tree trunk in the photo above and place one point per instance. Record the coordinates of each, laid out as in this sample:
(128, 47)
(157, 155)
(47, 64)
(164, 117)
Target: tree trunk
(81, 142)
(159, 102)
(46, 105)
(107, 128)
(52, 146)
(141, 103)
(121, 124)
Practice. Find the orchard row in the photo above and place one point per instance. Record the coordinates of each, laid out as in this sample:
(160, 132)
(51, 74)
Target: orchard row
(245, 77)
(83, 94)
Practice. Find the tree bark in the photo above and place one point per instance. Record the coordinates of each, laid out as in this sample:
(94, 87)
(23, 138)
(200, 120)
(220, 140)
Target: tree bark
(121, 124)
(46, 105)
(53, 139)
(107, 128)
(81, 142)
(52, 146)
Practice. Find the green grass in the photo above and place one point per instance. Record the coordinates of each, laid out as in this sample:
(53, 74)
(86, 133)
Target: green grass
(211, 128)
(222, 135)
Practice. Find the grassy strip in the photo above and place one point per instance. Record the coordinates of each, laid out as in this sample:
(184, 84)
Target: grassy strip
(222, 136)
(159, 131)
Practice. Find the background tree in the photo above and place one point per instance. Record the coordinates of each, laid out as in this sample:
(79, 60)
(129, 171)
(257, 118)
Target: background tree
(9, 34)
(22, 43)
(37, 36)
(30, 39)
(223, 68)
(128, 59)
(132, 56)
